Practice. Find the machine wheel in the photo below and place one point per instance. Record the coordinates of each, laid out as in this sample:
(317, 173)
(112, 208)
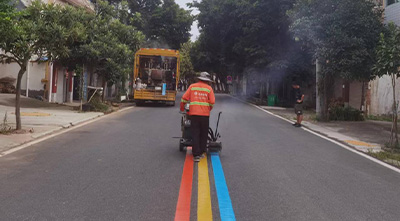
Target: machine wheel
(139, 103)
(181, 146)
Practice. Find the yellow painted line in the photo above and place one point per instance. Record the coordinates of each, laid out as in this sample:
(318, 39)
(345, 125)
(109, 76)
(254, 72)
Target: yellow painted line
(34, 114)
(359, 143)
(204, 212)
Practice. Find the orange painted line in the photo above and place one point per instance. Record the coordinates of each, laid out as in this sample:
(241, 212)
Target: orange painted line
(185, 192)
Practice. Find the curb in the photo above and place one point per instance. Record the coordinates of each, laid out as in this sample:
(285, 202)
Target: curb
(323, 136)
(58, 131)
(90, 118)
(45, 133)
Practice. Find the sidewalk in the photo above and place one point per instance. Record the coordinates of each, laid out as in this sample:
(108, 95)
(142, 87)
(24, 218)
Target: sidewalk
(41, 118)
(363, 135)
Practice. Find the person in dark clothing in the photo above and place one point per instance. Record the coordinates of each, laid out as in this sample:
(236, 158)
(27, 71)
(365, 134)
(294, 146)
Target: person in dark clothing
(180, 85)
(201, 98)
(298, 106)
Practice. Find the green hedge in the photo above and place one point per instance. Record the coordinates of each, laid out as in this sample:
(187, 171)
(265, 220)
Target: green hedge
(345, 114)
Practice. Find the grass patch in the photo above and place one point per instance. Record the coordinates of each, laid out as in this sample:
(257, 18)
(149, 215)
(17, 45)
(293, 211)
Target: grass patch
(380, 118)
(391, 157)
(4, 127)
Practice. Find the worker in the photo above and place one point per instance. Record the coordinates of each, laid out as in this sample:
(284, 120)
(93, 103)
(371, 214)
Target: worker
(201, 98)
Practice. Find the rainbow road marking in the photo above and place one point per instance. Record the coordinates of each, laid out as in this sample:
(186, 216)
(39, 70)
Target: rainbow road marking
(204, 211)
(182, 212)
(204, 207)
(224, 200)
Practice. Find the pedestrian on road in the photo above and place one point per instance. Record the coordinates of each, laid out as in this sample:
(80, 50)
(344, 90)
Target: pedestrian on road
(298, 106)
(185, 84)
(180, 85)
(201, 98)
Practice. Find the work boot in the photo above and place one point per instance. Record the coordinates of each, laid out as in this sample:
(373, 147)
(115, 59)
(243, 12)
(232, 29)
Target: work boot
(196, 159)
(297, 125)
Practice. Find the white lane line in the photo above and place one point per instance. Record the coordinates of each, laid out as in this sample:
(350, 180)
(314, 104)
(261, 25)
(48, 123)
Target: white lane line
(354, 151)
(23, 146)
(395, 169)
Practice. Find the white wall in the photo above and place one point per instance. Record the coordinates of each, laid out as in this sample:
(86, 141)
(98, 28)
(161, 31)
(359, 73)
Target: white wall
(382, 95)
(37, 72)
(392, 13)
(11, 70)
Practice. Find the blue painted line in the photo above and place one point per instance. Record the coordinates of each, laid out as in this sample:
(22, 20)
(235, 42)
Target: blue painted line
(224, 200)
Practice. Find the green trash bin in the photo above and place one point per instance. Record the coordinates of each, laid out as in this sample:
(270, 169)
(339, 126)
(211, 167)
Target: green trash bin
(272, 100)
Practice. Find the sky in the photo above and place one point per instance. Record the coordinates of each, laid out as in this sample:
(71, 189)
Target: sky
(195, 31)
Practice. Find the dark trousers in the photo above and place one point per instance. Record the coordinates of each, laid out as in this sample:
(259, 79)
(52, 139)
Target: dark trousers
(199, 128)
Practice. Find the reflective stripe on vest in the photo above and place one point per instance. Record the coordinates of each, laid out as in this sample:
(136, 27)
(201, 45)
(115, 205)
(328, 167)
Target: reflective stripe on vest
(200, 89)
(184, 101)
(200, 103)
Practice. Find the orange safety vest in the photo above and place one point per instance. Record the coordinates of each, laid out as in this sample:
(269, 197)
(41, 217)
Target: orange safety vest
(201, 98)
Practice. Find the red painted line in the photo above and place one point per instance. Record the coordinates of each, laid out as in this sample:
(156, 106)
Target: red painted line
(185, 193)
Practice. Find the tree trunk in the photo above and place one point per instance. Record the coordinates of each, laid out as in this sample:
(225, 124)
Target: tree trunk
(395, 117)
(104, 89)
(81, 87)
(319, 99)
(262, 93)
(18, 96)
(324, 99)
(362, 105)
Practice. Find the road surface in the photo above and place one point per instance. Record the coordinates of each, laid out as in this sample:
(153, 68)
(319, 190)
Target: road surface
(127, 167)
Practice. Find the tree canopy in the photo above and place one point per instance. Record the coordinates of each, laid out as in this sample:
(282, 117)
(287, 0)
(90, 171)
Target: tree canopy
(71, 36)
(341, 33)
(163, 22)
(240, 35)
(35, 33)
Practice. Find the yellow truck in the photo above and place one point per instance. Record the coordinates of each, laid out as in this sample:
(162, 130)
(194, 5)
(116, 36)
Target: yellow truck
(156, 75)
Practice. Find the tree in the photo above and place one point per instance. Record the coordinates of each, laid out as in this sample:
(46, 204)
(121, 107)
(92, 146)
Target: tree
(341, 34)
(186, 66)
(109, 45)
(5, 7)
(35, 32)
(242, 37)
(163, 22)
(388, 63)
(169, 26)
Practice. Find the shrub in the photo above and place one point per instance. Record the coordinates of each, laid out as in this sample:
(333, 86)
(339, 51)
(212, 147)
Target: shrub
(96, 105)
(345, 114)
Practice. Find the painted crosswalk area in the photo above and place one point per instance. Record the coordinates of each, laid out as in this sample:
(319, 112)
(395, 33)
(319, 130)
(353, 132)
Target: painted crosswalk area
(204, 197)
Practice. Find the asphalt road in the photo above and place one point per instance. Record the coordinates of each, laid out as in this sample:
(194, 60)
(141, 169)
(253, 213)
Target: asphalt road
(127, 167)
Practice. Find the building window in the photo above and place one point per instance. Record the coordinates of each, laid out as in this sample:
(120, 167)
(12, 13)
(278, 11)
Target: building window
(389, 2)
